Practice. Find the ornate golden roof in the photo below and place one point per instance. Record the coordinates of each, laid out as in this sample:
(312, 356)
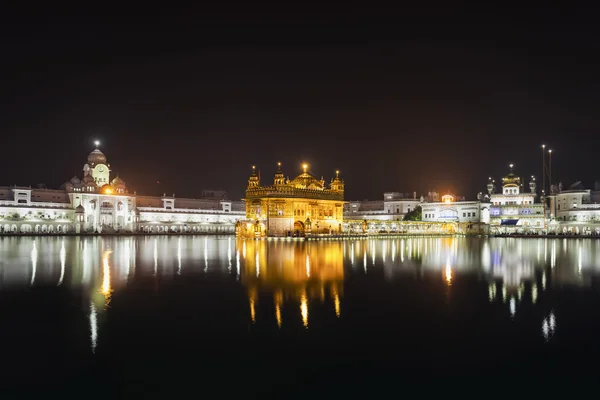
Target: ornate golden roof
(306, 181)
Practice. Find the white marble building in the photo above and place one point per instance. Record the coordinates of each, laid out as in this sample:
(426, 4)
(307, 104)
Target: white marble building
(449, 210)
(393, 207)
(514, 210)
(574, 210)
(92, 202)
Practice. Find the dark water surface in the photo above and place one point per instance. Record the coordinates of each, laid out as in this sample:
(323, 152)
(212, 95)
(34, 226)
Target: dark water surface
(210, 317)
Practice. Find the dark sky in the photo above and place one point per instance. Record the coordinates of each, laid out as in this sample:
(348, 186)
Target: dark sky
(398, 100)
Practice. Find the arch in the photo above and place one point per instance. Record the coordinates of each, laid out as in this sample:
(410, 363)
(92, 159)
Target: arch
(38, 228)
(13, 228)
(298, 228)
(25, 228)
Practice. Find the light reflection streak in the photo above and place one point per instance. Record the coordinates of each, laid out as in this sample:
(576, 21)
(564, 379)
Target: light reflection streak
(393, 251)
(336, 303)
(383, 251)
(307, 266)
(579, 263)
(549, 326)
(534, 293)
(93, 327)
(257, 264)
(127, 259)
(448, 272)
(304, 309)
(373, 250)
(206, 254)
(278, 314)
(106, 289)
(155, 256)
(492, 292)
(513, 306)
(229, 254)
(237, 264)
(63, 256)
(365, 261)
(402, 250)
(244, 250)
(179, 256)
(352, 254)
(34, 257)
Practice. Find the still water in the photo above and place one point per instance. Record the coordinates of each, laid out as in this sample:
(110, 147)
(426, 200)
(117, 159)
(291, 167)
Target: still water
(165, 315)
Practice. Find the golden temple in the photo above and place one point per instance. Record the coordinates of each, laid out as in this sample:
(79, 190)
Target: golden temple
(299, 207)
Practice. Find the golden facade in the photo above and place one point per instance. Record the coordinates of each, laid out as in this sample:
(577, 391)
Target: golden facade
(296, 274)
(299, 207)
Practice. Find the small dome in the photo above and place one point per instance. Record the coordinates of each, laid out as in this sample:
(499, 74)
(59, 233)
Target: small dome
(118, 182)
(79, 209)
(88, 179)
(75, 180)
(96, 157)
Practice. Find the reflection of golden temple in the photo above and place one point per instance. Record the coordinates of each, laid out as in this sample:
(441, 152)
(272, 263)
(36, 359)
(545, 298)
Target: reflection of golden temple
(299, 207)
(298, 271)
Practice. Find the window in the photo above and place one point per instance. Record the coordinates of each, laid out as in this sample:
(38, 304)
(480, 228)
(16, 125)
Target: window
(464, 215)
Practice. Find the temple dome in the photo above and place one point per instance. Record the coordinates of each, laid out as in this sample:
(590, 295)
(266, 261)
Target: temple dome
(79, 209)
(306, 181)
(88, 179)
(75, 180)
(96, 157)
(118, 181)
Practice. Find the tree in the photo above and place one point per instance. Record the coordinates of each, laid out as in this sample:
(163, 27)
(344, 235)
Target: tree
(414, 215)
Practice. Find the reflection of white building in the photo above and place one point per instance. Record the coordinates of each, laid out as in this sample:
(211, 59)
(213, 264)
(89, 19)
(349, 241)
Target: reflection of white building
(514, 209)
(92, 202)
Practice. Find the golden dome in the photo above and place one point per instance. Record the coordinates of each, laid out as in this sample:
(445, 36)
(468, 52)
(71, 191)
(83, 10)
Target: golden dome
(96, 157)
(306, 181)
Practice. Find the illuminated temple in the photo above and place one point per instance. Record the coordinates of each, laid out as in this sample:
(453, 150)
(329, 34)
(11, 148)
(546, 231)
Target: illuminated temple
(299, 207)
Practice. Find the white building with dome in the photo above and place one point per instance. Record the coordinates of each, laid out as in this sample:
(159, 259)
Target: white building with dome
(93, 203)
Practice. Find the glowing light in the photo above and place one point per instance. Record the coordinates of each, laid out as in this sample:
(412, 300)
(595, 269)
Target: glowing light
(108, 191)
(97, 143)
(365, 262)
(106, 289)
(244, 250)
(304, 167)
(448, 272)
(534, 293)
(393, 250)
(257, 265)
(34, 257)
(93, 327)
(336, 303)
(304, 310)
(63, 257)
(579, 258)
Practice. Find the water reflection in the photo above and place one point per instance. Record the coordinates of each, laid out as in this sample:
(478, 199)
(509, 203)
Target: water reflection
(290, 283)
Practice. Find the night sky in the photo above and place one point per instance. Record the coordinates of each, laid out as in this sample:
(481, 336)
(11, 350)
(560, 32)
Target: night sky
(398, 100)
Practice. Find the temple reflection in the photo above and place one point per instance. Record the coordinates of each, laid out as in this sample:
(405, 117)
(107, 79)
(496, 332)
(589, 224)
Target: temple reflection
(293, 272)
